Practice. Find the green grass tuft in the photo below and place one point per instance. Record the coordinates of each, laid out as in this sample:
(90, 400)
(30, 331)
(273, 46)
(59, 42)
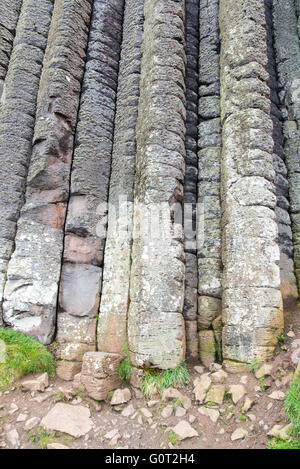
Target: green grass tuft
(173, 438)
(292, 404)
(155, 381)
(23, 355)
(292, 410)
(125, 367)
(278, 443)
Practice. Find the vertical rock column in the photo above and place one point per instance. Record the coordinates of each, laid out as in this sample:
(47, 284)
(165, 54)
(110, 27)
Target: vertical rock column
(191, 176)
(84, 240)
(112, 325)
(288, 65)
(9, 14)
(209, 160)
(156, 325)
(34, 270)
(17, 118)
(252, 302)
(288, 280)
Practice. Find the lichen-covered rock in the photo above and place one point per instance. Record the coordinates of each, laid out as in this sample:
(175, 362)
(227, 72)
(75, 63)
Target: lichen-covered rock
(207, 347)
(155, 324)
(99, 374)
(252, 304)
(287, 47)
(81, 276)
(34, 270)
(112, 326)
(17, 111)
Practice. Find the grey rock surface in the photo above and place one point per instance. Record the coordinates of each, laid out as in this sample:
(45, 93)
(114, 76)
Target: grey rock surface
(35, 267)
(155, 324)
(112, 325)
(252, 302)
(85, 233)
(17, 111)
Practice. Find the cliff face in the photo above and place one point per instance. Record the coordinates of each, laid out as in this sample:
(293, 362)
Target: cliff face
(149, 176)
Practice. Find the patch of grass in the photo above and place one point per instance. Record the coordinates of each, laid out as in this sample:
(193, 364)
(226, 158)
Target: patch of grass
(292, 410)
(125, 367)
(255, 365)
(41, 437)
(278, 443)
(262, 383)
(281, 339)
(292, 404)
(173, 438)
(23, 355)
(155, 381)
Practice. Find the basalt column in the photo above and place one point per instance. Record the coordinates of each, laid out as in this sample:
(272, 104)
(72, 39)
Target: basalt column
(86, 219)
(112, 325)
(9, 14)
(156, 325)
(191, 176)
(288, 280)
(288, 65)
(34, 270)
(17, 117)
(252, 302)
(209, 202)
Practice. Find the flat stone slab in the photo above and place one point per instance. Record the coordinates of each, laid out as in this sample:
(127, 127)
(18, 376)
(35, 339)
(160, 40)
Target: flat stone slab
(70, 419)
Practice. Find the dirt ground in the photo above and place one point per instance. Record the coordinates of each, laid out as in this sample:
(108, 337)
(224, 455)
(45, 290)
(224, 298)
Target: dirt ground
(142, 430)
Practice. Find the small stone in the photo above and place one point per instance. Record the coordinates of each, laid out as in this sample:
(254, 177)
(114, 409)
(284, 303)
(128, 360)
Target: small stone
(270, 405)
(56, 446)
(244, 379)
(38, 384)
(277, 395)
(31, 423)
(222, 431)
(146, 413)
(239, 434)
(70, 419)
(172, 393)
(167, 411)
(120, 396)
(22, 418)
(128, 411)
(152, 403)
(252, 417)
(13, 408)
(210, 413)
(219, 376)
(184, 430)
(264, 370)
(237, 392)
(13, 438)
(280, 431)
(291, 334)
(216, 394)
(180, 412)
(215, 367)
(202, 387)
(199, 369)
(247, 405)
(110, 435)
(192, 418)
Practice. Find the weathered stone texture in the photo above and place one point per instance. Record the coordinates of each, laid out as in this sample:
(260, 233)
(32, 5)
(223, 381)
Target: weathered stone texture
(209, 161)
(288, 280)
(17, 117)
(87, 212)
(252, 302)
(34, 270)
(99, 373)
(191, 175)
(9, 14)
(112, 325)
(288, 64)
(156, 325)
